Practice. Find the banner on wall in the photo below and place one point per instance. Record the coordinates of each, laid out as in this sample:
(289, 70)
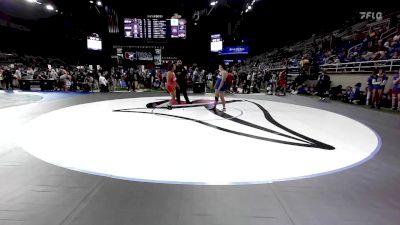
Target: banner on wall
(144, 56)
(158, 57)
(140, 55)
(235, 50)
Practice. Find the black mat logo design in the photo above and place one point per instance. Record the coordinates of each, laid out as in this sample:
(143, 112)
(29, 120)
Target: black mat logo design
(305, 141)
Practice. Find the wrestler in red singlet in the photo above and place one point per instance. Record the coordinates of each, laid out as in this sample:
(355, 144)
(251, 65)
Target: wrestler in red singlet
(171, 84)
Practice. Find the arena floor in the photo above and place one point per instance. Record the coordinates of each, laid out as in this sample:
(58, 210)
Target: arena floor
(123, 158)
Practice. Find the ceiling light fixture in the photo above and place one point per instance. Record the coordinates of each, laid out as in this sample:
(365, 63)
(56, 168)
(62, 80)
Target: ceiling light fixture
(49, 7)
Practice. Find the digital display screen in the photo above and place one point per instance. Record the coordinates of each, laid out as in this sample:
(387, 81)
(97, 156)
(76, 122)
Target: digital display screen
(94, 43)
(178, 28)
(133, 28)
(159, 28)
(145, 28)
(154, 27)
(216, 46)
(216, 43)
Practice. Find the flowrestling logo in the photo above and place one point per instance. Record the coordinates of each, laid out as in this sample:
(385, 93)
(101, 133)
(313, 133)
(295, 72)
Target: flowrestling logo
(371, 15)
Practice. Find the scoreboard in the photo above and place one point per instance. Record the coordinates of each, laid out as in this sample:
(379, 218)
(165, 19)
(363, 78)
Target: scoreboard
(158, 28)
(145, 28)
(154, 27)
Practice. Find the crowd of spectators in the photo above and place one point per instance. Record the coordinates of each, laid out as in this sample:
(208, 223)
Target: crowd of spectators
(378, 42)
(381, 42)
(88, 79)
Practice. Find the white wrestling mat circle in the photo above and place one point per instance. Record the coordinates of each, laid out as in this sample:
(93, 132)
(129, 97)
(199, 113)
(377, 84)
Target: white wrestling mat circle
(252, 142)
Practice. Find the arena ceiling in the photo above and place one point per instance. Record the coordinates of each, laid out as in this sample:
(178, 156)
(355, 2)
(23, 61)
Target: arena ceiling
(268, 25)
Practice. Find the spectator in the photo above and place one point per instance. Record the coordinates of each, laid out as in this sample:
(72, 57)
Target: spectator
(129, 79)
(300, 90)
(247, 84)
(323, 85)
(1, 77)
(255, 87)
(229, 80)
(272, 84)
(110, 81)
(29, 74)
(346, 95)
(65, 81)
(379, 83)
(53, 75)
(41, 76)
(196, 75)
(88, 83)
(396, 92)
(370, 87)
(281, 83)
(355, 96)
(103, 83)
(17, 76)
(267, 78)
(8, 78)
(396, 37)
(336, 92)
(235, 82)
(117, 76)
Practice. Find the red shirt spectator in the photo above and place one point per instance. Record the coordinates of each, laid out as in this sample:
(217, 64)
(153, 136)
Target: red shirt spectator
(229, 79)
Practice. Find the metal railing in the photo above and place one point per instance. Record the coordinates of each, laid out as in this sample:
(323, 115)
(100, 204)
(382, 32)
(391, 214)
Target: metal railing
(359, 26)
(367, 66)
(352, 48)
(329, 58)
(389, 33)
(372, 26)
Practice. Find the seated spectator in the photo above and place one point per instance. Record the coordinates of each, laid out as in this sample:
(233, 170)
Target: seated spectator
(368, 55)
(396, 37)
(310, 90)
(355, 95)
(396, 55)
(88, 83)
(388, 42)
(336, 92)
(255, 88)
(65, 81)
(53, 75)
(41, 76)
(29, 74)
(347, 94)
(300, 90)
(337, 60)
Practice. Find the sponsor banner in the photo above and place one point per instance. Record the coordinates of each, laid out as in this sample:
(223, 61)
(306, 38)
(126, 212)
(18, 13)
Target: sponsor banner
(139, 56)
(235, 50)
